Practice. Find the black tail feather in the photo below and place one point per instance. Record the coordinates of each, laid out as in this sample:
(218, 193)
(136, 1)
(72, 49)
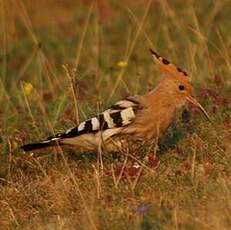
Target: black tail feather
(40, 145)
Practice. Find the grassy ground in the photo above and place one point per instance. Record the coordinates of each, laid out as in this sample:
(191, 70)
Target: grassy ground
(59, 65)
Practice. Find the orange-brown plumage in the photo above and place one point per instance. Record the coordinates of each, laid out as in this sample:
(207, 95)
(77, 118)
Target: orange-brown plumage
(132, 120)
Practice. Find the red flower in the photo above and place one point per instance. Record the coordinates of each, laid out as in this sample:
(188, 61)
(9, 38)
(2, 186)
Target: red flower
(205, 93)
(193, 109)
(153, 162)
(208, 93)
(128, 171)
(47, 96)
(227, 125)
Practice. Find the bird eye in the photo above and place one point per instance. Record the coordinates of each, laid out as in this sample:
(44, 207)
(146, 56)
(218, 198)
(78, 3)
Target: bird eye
(181, 87)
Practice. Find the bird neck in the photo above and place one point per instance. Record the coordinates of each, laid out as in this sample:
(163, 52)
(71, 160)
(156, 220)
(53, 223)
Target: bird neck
(161, 98)
(161, 110)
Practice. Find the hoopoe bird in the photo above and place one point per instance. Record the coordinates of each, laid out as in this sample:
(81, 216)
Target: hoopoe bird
(138, 118)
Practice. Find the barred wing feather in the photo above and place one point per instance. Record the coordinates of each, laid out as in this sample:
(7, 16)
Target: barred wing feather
(108, 123)
(120, 114)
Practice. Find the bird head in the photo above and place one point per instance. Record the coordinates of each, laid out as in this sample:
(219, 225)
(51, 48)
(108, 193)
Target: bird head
(176, 84)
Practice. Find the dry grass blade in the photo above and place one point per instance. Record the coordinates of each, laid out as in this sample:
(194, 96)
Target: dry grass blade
(79, 49)
(73, 90)
(133, 43)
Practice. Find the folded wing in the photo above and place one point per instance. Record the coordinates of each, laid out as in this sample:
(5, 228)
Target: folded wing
(108, 123)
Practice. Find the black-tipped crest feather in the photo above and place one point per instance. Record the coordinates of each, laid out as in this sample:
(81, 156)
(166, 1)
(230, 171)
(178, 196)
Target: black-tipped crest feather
(167, 66)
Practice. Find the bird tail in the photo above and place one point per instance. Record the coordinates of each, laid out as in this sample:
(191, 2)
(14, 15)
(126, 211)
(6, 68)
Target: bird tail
(39, 145)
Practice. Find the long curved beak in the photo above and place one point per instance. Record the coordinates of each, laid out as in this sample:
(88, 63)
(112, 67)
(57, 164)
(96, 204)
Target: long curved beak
(197, 104)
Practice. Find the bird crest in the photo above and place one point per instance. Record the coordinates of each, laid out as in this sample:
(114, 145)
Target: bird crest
(167, 67)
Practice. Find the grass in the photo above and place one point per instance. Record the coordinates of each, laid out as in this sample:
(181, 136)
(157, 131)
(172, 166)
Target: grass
(59, 66)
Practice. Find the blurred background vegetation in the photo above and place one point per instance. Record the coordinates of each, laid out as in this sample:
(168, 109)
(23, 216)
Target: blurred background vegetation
(63, 61)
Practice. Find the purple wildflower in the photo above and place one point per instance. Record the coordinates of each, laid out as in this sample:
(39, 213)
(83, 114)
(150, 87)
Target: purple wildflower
(141, 209)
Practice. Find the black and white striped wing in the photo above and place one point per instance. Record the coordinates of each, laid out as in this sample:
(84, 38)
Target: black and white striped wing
(110, 122)
(120, 114)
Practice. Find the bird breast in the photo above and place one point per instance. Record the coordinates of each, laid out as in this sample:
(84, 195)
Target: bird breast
(153, 122)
